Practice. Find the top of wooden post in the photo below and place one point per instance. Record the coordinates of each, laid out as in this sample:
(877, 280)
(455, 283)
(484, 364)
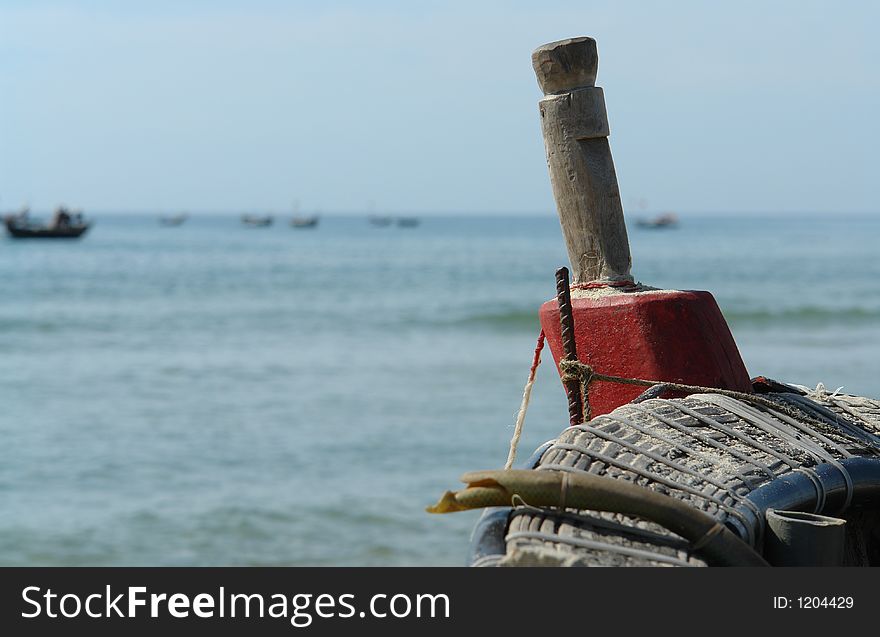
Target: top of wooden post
(575, 128)
(566, 65)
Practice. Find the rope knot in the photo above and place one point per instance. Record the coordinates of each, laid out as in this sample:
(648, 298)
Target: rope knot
(576, 370)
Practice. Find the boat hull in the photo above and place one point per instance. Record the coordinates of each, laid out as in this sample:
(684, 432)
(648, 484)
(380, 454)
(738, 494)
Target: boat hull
(257, 222)
(70, 232)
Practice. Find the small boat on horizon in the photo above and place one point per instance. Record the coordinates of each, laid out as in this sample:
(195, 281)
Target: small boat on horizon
(65, 224)
(380, 221)
(408, 222)
(173, 220)
(666, 220)
(257, 221)
(305, 222)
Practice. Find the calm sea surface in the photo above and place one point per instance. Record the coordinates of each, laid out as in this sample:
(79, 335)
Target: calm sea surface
(220, 395)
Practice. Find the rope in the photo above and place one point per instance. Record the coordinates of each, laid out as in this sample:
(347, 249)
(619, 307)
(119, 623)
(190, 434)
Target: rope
(593, 285)
(576, 370)
(585, 375)
(524, 406)
(777, 428)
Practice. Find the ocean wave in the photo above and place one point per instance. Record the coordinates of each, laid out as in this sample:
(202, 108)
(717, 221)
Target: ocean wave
(507, 319)
(806, 315)
(511, 319)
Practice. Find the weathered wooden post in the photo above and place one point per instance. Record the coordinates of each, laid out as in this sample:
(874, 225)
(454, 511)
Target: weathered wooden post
(621, 329)
(575, 128)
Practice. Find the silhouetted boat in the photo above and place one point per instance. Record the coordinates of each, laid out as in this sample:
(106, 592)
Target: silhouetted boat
(407, 222)
(305, 222)
(667, 220)
(173, 220)
(64, 225)
(381, 221)
(256, 221)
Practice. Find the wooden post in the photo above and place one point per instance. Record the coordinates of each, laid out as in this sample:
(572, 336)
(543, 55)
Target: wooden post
(575, 128)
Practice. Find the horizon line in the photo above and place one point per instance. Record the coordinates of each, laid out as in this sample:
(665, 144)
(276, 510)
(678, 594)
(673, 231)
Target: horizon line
(438, 213)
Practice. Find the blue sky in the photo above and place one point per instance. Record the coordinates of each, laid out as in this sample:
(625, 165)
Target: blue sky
(431, 106)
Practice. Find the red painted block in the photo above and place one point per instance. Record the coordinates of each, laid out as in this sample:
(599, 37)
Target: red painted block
(668, 335)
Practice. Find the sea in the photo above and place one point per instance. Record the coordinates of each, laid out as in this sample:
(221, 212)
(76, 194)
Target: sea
(215, 394)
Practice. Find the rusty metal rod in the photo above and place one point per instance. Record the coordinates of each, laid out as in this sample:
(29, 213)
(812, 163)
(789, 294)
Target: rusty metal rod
(566, 321)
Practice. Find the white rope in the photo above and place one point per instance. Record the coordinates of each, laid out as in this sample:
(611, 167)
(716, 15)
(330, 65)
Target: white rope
(524, 407)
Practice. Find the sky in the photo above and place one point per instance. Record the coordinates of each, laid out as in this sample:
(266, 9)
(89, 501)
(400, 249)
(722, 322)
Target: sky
(431, 107)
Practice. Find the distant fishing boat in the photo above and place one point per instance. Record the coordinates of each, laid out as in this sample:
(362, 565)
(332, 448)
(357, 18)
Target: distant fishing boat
(65, 224)
(173, 220)
(305, 222)
(381, 221)
(407, 222)
(257, 221)
(666, 220)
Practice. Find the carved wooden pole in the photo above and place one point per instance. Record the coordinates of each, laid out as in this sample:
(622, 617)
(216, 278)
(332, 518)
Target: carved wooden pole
(575, 128)
(620, 330)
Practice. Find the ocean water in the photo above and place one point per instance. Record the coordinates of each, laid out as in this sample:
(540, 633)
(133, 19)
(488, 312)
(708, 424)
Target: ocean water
(220, 395)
